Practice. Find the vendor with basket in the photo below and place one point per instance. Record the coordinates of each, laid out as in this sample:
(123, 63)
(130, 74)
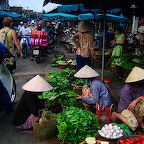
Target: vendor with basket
(131, 104)
(26, 112)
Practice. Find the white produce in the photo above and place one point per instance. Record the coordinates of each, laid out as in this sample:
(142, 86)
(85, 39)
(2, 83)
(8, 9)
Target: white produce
(111, 131)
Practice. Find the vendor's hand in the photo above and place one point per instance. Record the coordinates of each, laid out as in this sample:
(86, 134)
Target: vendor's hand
(103, 108)
(132, 105)
(78, 97)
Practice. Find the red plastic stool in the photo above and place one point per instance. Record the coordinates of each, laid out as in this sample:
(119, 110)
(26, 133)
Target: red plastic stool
(108, 81)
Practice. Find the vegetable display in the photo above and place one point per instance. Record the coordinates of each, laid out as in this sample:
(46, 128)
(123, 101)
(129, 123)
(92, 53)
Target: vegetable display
(111, 131)
(126, 61)
(132, 140)
(75, 124)
(62, 92)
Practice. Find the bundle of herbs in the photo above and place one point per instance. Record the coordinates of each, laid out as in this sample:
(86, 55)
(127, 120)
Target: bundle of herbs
(75, 124)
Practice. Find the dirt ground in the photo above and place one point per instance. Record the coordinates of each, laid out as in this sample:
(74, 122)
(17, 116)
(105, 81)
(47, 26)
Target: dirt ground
(27, 69)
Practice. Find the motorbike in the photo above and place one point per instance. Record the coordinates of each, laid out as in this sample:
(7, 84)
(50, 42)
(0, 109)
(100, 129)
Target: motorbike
(40, 44)
(24, 45)
(7, 79)
(39, 52)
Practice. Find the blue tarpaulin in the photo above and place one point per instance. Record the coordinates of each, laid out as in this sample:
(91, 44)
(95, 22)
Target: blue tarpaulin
(62, 16)
(75, 8)
(112, 18)
(10, 14)
(86, 16)
(109, 17)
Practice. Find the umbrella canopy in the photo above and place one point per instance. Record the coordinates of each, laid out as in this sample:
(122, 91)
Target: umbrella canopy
(102, 4)
(109, 17)
(63, 16)
(75, 8)
(86, 16)
(112, 18)
(10, 14)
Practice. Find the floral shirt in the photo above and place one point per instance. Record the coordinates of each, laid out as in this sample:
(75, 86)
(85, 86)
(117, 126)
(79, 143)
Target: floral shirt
(85, 44)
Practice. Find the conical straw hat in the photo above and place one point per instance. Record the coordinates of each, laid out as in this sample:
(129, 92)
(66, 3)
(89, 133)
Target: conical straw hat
(137, 74)
(86, 72)
(37, 84)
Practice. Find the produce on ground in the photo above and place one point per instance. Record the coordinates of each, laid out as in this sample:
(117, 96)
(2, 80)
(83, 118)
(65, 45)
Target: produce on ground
(75, 124)
(62, 92)
(111, 131)
(132, 140)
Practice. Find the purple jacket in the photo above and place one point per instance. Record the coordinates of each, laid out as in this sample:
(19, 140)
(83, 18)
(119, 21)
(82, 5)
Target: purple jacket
(100, 94)
(128, 94)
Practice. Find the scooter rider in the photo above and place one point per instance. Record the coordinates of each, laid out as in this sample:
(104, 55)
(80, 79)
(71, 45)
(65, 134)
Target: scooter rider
(5, 101)
(24, 31)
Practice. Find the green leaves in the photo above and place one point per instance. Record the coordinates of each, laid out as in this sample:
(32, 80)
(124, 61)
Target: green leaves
(75, 124)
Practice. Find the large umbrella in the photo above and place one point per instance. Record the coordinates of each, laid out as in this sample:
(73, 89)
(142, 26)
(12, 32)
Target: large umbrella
(62, 16)
(112, 18)
(109, 17)
(76, 8)
(10, 14)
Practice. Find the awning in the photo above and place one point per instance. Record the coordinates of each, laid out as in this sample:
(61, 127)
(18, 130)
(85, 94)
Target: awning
(62, 16)
(10, 14)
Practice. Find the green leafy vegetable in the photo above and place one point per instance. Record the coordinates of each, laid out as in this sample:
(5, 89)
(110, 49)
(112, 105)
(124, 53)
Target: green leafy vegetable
(75, 124)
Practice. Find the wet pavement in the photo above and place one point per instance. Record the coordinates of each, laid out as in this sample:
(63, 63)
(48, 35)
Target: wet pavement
(27, 69)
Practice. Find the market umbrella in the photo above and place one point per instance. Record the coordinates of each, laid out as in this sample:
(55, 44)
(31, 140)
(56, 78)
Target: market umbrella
(86, 16)
(10, 14)
(75, 8)
(109, 17)
(63, 16)
(112, 18)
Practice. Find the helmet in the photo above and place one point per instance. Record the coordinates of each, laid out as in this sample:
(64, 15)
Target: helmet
(21, 22)
(39, 24)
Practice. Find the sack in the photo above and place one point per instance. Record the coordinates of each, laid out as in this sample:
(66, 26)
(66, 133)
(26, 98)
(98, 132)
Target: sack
(45, 128)
(104, 116)
(3, 38)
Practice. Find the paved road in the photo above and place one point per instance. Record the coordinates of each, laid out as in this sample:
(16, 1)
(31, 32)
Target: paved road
(26, 70)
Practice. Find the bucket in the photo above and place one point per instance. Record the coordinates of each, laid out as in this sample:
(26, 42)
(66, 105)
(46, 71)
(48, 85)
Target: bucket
(69, 49)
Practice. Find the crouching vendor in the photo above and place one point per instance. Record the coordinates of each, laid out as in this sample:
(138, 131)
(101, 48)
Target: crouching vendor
(29, 105)
(97, 93)
(131, 104)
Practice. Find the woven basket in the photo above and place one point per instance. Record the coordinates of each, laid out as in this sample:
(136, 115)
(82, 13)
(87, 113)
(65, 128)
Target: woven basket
(45, 129)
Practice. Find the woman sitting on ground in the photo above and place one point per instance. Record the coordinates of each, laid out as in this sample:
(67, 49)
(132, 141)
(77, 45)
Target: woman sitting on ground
(131, 104)
(26, 112)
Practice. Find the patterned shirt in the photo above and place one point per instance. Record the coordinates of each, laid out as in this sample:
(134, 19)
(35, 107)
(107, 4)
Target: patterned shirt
(100, 94)
(85, 44)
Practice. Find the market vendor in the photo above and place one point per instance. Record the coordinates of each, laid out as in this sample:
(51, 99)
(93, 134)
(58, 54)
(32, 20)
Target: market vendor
(29, 105)
(98, 92)
(131, 104)
(84, 44)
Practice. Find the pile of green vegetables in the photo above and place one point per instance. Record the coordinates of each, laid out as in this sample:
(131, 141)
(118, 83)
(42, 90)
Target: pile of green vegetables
(126, 62)
(75, 124)
(62, 91)
(58, 57)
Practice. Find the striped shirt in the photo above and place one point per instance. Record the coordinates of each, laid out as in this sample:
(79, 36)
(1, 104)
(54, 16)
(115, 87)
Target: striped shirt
(100, 94)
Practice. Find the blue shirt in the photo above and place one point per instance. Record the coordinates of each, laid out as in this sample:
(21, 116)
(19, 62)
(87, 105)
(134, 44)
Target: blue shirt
(3, 50)
(100, 94)
(50, 32)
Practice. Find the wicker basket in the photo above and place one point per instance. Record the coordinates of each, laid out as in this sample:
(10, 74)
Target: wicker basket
(45, 129)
